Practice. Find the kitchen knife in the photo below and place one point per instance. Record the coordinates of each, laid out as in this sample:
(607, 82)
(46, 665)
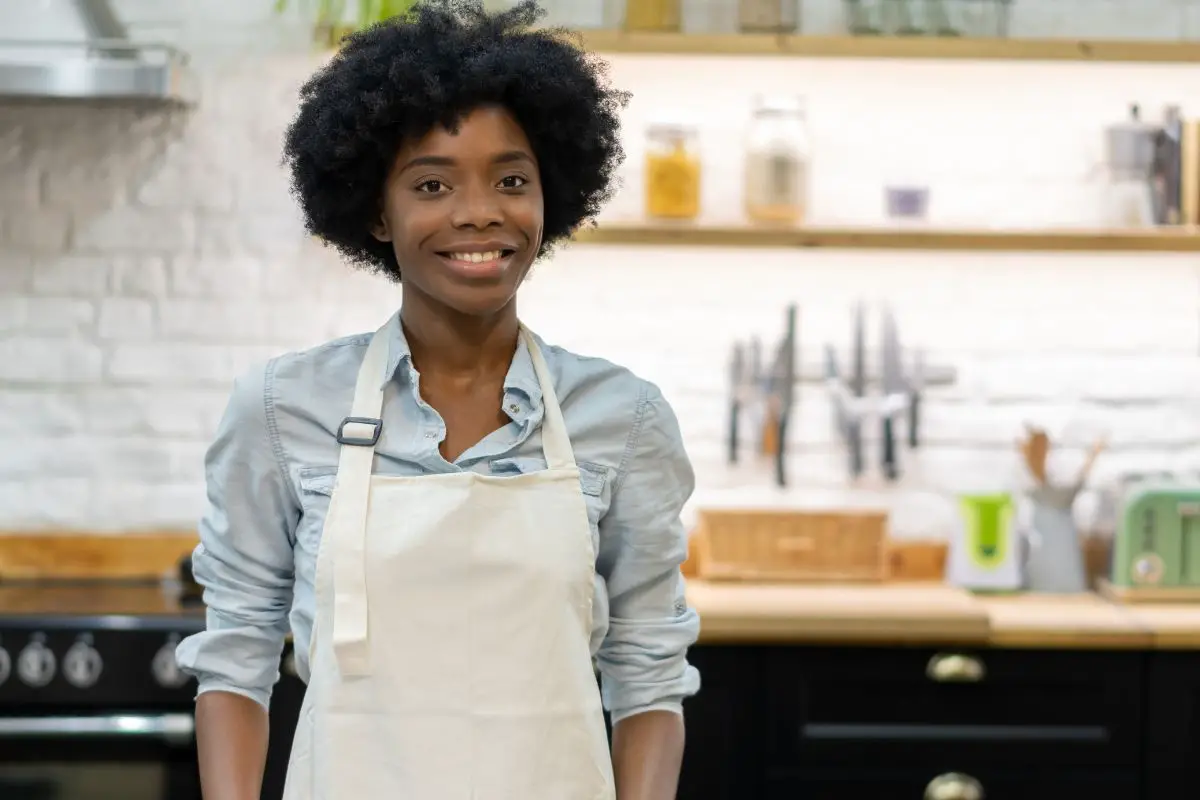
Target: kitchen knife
(736, 371)
(894, 392)
(786, 392)
(916, 387)
(858, 388)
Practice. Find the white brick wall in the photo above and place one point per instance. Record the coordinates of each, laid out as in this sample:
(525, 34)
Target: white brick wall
(146, 260)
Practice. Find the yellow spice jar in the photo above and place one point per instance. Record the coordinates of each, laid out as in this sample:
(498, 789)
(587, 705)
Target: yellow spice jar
(652, 15)
(673, 172)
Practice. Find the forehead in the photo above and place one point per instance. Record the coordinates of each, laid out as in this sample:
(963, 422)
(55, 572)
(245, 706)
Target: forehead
(480, 133)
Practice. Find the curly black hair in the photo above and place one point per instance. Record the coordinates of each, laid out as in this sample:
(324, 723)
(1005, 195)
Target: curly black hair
(398, 79)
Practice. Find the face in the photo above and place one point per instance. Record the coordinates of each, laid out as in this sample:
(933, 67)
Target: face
(463, 212)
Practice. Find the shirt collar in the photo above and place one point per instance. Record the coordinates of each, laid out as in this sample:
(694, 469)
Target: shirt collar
(521, 377)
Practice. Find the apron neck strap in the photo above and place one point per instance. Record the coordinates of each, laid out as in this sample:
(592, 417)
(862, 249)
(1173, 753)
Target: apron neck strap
(364, 422)
(556, 445)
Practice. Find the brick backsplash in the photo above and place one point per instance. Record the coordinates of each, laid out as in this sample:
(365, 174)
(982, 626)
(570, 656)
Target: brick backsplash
(146, 259)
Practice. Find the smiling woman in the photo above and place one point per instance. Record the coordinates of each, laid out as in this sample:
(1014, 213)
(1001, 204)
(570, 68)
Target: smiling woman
(457, 521)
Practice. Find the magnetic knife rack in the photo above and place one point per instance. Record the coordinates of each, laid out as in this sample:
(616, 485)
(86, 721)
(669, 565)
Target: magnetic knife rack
(772, 392)
(901, 382)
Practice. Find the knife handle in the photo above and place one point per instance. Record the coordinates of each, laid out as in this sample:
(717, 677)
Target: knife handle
(734, 416)
(781, 452)
(914, 416)
(890, 470)
(854, 443)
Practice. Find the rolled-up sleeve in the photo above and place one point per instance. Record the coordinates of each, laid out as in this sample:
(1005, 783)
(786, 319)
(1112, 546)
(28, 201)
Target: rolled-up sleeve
(643, 658)
(244, 559)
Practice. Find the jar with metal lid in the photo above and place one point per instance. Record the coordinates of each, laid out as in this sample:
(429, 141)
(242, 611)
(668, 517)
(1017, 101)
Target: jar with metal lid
(777, 162)
(769, 16)
(652, 15)
(673, 171)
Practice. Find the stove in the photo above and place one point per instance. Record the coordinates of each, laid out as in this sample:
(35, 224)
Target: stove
(92, 704)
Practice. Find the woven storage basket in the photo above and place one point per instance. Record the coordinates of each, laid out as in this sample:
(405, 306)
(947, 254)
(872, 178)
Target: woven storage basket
(760, 545)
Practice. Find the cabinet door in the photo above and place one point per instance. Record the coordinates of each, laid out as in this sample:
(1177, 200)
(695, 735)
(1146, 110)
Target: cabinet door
(1172, 743)
(994, 785)
(723, 755)
(901, 707)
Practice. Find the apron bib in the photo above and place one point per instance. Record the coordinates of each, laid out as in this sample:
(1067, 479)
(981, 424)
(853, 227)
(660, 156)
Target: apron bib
(450, 650)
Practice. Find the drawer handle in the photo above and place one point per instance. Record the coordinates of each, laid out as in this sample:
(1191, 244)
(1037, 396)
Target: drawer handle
(954, 786)
(955, 668)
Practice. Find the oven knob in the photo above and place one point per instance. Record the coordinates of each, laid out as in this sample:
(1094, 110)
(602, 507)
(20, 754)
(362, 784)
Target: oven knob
(166, 670)
(82, 665)
(35, 664)
(5, 665)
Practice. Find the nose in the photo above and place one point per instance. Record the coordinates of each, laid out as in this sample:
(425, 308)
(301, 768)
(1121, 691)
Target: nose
(477, 206)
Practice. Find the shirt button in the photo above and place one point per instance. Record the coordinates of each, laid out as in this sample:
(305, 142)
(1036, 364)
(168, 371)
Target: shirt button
(514, 408)
(430, 434)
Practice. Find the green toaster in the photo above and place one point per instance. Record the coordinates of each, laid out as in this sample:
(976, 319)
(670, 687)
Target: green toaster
(1157, 541)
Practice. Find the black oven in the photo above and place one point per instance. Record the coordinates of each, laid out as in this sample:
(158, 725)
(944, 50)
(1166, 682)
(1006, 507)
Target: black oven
(95, 708)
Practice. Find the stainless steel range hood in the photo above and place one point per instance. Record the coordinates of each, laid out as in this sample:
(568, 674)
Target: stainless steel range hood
(103, 64)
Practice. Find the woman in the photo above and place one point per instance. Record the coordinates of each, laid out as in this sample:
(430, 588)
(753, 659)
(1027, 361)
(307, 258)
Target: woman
(505, 514)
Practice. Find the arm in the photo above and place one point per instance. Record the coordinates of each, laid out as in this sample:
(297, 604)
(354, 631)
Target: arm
(643, 658)
(244, 562)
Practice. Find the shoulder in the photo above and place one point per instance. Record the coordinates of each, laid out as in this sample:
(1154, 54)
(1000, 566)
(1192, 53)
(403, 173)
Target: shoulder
(305, 393)
(608, 406)
(594, 382)
(335, 357)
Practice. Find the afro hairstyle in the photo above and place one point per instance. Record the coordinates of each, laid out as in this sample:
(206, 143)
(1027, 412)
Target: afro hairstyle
(395, 81)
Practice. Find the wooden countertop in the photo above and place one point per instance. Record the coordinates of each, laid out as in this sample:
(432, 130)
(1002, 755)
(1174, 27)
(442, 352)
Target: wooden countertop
(935, 614)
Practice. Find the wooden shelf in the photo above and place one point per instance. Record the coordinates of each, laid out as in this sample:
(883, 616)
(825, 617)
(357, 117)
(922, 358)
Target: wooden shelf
(905, 47)
(1166, 240)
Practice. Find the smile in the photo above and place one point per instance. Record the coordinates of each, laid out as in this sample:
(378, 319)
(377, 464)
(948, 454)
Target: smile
(478, 263)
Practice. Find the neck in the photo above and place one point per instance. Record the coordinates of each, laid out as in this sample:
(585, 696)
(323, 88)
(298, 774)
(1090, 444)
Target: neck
(447, 343)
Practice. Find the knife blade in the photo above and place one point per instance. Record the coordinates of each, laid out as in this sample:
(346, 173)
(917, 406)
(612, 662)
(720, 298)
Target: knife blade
(787, 392)
(736, 372)
(858, 388)
(894, 392)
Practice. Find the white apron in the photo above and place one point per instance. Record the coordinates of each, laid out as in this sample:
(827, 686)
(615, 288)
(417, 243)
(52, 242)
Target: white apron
(450, 652)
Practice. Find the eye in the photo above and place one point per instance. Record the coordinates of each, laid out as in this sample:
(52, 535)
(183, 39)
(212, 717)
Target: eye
(512, 182)
(431, 187)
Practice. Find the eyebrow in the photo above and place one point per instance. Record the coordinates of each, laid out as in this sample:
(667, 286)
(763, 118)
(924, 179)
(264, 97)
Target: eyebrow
(507, 157)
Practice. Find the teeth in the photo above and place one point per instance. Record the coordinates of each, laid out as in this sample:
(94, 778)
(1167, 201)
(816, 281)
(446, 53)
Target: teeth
(478, 258)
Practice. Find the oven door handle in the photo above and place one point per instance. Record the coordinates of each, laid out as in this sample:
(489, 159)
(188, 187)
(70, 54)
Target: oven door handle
(174, 729)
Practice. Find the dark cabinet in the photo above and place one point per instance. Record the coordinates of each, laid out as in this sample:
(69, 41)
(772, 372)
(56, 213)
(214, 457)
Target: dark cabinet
(723, 755)
(843, 723)
(917, 707)
(995, 784)
(1172, 741)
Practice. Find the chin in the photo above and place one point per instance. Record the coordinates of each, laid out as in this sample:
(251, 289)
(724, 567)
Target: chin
(479, 301)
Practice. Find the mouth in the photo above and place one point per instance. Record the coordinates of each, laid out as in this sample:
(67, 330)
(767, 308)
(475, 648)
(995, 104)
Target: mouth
(478, 264)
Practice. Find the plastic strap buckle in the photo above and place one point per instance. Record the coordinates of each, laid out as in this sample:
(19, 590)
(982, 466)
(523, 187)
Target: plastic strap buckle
(360, 441)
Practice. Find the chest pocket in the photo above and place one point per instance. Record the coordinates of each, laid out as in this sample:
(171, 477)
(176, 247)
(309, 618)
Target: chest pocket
(316, 490)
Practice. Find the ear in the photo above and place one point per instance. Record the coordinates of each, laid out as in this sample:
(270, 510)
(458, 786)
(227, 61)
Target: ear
(380, 229)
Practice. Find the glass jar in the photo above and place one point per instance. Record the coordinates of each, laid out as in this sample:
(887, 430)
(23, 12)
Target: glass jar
(768, 16)
(652, 15)
(777, 161)
(672, 171)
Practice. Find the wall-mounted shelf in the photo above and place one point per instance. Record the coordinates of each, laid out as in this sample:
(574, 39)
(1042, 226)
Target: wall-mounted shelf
(906, 47)
(1163, 240)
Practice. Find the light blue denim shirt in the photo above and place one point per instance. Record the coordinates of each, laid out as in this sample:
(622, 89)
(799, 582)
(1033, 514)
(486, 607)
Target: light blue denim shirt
(270, 474)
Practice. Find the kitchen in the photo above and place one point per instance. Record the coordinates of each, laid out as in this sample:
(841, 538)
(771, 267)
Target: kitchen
(150, 252)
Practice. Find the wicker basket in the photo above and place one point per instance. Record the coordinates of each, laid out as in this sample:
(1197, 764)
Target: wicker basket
(759, 545)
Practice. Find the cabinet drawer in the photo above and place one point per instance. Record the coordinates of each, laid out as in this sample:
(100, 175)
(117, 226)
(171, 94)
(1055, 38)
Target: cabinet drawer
(913, 706)
(995, 785)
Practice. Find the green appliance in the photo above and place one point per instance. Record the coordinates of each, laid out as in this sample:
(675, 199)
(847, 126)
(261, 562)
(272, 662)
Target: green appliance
(986, 553)
(1157, 541)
